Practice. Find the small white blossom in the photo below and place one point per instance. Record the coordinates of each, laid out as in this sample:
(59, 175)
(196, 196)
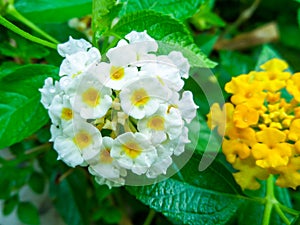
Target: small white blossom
(73, 46)
(142, 97)
(79, 62)
(163, 69)
(103, 165)
(134, 151)
(181, 62)
(140, 44)
(186, 105)
(161, 163)
(77, 139)
(164, 123)
(48, 91)
(177, 145)
(60, 111)
(91, 99)
(115, 77)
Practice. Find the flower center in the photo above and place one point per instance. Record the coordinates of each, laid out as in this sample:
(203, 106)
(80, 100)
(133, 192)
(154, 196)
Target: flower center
(66, 114)
(91, 97)
(156, 123)
(140, 97)
(132, 149)
(116, 73)
(105, 156)
(82, 139)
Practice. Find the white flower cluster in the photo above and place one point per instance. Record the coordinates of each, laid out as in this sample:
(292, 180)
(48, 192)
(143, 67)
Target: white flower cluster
(125, 116)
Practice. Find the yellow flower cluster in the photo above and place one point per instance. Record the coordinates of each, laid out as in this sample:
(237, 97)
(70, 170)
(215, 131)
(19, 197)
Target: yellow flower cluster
(261, 125)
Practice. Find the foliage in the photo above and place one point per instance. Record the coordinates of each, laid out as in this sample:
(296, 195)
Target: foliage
(211, 34)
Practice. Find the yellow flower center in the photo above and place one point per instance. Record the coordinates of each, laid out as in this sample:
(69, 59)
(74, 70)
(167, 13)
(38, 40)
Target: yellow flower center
(140, 97)
(156, 123)
(105, 156)
(66, 114)
(116, 73)
(91, 97)
(82, 139)
(132, 149)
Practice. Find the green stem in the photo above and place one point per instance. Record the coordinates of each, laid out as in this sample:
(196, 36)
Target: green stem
(13, 12)
(281, 214)
(150, 217)
(269, 201)
(24, 34)
(289, 210)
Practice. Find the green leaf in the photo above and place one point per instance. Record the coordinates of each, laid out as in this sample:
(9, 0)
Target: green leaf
(22, 49)
(206, 19)
(206, 42)
(21, 112)
(208, 197)
(289, 35)
(104, 11)
(298, 16)
(266, 54)
(28, 213)
(51, 11)
(70, 197)
(37, 182)
(10, 204)
(178, 9)
(170, 33)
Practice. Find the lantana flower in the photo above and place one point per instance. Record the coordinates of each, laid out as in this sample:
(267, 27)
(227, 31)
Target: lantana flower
(261, 128)
(127, 116)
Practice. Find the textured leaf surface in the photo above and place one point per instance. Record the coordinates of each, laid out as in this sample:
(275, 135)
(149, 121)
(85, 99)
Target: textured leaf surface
(21, 112)
(175, 8)
(208, 197)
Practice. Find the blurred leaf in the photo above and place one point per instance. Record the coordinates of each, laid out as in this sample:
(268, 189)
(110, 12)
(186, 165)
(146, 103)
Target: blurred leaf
(28, 213)
(266, 54)
(10, 204)
(170, 33)
(14, 175)
(5, 183)
(43, 135)
(21, 112)
(104, 11)
(177, 9)
(70, 197)
(37, 182)
(109, 214)
(298, 16)
(22, 48)
(51, 11)
(206, 42)
(205, 19)
(296, 221)
(207, 197)
(289, 35)
(234, 63)
(7, 68)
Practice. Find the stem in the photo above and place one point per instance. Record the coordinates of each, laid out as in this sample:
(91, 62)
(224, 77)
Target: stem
(281, 214)
(289, 210)
(65, 175)
(245, 15)
(24, 34)
(150, 217)
(13, 12)
(269, 201)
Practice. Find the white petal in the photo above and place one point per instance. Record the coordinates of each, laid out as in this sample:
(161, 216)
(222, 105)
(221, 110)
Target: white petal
(72, 46)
